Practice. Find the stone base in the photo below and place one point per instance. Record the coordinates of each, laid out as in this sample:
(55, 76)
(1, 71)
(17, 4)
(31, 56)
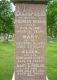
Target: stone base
(13, 78)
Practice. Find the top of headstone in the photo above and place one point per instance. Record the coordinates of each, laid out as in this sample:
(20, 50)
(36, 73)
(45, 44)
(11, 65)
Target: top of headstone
(30, 1)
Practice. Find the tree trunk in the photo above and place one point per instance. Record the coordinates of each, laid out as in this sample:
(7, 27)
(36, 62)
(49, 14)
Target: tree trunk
(6, 36)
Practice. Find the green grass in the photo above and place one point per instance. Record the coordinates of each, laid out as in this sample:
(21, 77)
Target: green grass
(6, 60)
(52, 60)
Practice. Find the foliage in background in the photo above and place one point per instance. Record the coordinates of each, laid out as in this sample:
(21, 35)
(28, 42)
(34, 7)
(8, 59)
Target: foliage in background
(6, 17)
(52, 18)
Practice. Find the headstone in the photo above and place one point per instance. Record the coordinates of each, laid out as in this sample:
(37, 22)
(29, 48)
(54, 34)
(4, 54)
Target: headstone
(30, 39)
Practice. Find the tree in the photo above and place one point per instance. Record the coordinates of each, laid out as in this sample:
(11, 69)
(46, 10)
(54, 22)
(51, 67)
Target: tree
(6, 18)
(52, 18)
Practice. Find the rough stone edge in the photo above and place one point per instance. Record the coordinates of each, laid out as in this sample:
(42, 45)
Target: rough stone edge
(31, 2)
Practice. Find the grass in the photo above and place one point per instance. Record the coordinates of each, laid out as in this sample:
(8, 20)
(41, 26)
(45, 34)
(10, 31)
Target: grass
(52, 60)
(7, 60)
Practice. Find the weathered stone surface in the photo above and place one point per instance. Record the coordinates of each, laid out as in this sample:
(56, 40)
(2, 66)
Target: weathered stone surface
(30, 42)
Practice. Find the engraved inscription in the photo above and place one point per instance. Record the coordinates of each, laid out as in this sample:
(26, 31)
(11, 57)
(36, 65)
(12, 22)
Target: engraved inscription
(30, 42)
